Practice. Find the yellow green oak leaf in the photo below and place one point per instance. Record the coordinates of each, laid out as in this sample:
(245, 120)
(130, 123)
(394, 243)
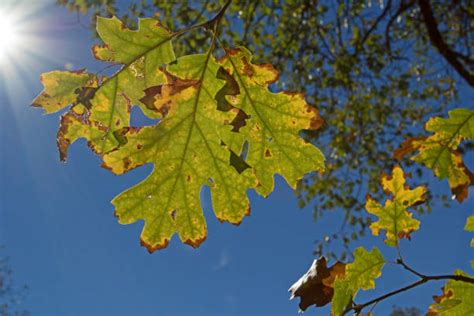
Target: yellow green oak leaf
(209, 111)
(439, 152)
(272, 125)
(63, 88)
(457, 299)
(187, 152)
(192, 146)
(470, 227)
(359, 275)
(394, 217)
(105, 103)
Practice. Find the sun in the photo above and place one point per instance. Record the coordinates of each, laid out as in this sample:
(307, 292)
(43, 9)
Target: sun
(9, 37)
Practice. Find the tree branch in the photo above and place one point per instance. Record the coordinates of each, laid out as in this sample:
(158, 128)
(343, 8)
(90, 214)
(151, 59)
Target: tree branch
(403, 7)
(373, 27)
(357, 308)
(437, 40)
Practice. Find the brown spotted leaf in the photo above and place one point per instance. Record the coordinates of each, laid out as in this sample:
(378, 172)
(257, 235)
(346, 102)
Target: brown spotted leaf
(209, 111)
(439, 153)
(187, 152)
(394, 217)
(104, 104)
(272, 124)
(457, 299)
(194, 145)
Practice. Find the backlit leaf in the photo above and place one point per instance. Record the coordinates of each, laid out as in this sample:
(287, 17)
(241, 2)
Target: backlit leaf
(439, 151)
(393, 217)
(360, 275)
(105, 103)
(187, 152)
(219, 126)
(63, 88)
(193, 146)
(275, 121)
(457, 299)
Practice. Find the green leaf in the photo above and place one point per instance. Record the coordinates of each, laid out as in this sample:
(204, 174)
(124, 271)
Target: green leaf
(460, 123)
(393, 217)
(192, 147)
(457, 299)
(470, 227)
(62, 88)
(105, 109)
(276, 119)
(199, 140)
(187, 152)
(359, 275)
(439, 153)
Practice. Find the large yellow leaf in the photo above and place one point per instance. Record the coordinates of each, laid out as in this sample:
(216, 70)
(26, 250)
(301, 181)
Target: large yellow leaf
(194, 145)
(209, 112)
(187, 152)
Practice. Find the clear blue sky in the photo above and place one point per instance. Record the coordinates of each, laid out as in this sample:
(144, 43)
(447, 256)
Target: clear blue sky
(58, 227)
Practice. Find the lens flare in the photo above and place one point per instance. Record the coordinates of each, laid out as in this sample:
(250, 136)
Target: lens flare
(9, 37)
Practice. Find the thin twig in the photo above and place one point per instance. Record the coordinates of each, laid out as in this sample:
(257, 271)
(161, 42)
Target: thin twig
(359, 307)
(438, 42)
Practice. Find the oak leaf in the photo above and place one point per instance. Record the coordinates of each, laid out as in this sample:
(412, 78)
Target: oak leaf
(275, 121)
(457, 299)
(439, 152)
(104, 103)
(209, 113)
(393, 217)
(360, 274)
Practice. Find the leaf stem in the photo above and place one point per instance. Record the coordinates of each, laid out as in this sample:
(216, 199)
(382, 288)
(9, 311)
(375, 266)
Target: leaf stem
(406, 267)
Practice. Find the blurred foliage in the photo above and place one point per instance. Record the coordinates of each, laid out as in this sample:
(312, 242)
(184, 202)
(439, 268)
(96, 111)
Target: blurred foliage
(370, 67)
(10, 295)
(405, 311)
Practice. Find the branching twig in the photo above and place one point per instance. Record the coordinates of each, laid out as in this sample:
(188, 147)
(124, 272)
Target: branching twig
(357, 308)
(373, 27)
(403, 7)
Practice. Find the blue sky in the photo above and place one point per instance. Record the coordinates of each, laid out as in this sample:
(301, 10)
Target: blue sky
(58, 228)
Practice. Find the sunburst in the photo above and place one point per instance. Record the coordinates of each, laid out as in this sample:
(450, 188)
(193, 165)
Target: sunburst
(9, 37)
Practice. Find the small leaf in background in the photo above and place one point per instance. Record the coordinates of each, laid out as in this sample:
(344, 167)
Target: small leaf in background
(315, 287)
(393, 217)
(439, 152)
(457, 299)
(360, 275)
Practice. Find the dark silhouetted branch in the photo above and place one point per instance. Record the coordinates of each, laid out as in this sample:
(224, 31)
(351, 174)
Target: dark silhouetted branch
(437, 40)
